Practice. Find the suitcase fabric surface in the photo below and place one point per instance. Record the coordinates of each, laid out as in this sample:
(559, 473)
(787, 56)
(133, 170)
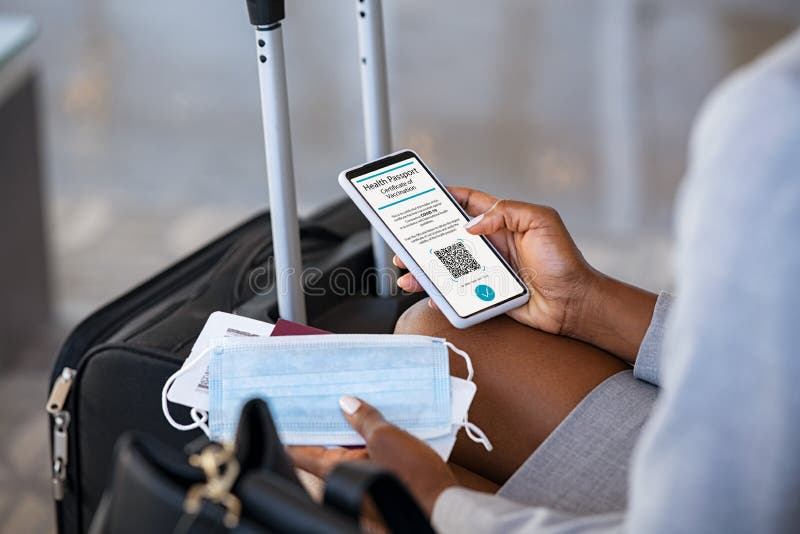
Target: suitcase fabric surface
(118, 359)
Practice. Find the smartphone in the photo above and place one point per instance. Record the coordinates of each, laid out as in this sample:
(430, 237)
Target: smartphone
(463, 273)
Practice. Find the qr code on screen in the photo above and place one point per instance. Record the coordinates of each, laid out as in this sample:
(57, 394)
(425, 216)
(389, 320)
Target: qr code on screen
(457, 259)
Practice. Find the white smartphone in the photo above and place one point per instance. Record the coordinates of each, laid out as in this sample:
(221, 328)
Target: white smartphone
(424, 225)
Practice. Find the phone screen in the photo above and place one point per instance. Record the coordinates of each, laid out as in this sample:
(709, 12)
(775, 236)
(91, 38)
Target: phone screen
(430, 226)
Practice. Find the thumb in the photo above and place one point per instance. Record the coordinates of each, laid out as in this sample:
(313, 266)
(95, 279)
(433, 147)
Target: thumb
(513, 216)
(363, 417)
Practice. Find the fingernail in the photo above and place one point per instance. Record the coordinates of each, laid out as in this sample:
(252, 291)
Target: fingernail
(401, 282)
(349, 404)
(394, 261)
(474, 221)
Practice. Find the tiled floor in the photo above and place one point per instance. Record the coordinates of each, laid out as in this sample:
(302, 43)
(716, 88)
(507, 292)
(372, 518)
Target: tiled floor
(25, 501)
(153, 138)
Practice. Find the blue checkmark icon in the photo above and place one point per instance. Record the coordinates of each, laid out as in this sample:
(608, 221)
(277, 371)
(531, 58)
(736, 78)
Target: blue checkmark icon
(484, 292)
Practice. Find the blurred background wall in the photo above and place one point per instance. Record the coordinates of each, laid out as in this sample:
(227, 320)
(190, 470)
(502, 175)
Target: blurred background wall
(153, 134)
(152, 142)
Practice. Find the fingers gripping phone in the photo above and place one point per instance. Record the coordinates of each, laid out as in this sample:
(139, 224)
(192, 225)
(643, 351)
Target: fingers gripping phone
(424, 225)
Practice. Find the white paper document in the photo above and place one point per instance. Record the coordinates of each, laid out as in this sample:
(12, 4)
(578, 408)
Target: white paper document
(191, 389)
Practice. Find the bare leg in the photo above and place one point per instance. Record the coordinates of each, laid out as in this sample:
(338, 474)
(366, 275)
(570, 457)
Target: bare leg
(528, 382)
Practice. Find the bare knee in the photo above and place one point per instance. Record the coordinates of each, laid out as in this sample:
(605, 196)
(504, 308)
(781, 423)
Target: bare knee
(421, 319)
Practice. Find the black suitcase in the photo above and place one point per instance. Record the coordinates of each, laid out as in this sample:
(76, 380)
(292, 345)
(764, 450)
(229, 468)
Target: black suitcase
(108, 376)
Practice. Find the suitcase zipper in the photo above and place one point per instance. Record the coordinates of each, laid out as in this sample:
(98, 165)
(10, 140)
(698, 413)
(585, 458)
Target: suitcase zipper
(61, 419)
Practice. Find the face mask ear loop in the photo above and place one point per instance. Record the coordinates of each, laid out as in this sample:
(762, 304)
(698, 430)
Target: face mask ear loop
(200, 417)
(477, 435)
(463, 354)
(168, 384)
(473, 431)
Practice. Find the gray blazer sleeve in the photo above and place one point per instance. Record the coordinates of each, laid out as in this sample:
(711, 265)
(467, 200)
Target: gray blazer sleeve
(648, 361)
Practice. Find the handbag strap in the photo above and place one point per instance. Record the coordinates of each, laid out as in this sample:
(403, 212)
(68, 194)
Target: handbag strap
(348, 483)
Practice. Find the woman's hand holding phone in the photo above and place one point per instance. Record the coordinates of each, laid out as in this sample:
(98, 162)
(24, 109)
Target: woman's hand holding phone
(568, 296)
(535, 242)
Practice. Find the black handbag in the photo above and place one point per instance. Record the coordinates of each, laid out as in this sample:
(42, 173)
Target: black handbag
(243, 488)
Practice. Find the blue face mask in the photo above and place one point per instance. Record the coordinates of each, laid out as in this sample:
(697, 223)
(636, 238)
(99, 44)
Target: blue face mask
(302, 378)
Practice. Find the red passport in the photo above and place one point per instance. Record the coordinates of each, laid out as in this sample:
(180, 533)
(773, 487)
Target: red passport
(289, 328)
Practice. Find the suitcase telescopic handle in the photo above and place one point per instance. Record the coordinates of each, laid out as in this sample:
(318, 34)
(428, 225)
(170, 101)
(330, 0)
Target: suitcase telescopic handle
(266, 17)
(265, 12)
(377, 121)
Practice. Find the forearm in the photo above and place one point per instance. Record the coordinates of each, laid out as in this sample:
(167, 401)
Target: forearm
(613, 316)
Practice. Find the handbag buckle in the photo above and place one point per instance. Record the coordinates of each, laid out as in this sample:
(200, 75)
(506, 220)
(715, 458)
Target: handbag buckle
(221, 468)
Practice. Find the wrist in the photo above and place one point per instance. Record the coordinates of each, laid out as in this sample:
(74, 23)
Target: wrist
(614, 316)
(582, 311)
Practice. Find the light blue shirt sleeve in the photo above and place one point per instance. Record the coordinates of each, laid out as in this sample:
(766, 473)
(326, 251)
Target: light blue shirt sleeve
(648, 360)
(460, 510)
(720, 451)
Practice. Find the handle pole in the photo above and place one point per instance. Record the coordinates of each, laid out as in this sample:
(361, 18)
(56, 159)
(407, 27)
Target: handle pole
(377, 121)
(266, 16)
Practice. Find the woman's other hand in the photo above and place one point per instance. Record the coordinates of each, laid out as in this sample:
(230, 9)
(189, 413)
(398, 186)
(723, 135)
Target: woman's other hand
(417, 465)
